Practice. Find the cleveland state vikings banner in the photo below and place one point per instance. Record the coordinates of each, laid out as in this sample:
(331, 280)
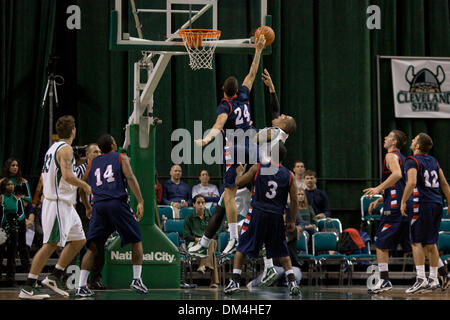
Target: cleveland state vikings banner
(421, 88)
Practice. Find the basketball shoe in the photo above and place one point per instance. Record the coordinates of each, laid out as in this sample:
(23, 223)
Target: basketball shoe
(381, 286)
(138, 286)
(32, 293)
(55, 283)
(418, 287)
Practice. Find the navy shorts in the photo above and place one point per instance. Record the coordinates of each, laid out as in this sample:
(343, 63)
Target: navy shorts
(113, 215)
(393, 230)
(263, 228)
(425, 224)
(235, 154)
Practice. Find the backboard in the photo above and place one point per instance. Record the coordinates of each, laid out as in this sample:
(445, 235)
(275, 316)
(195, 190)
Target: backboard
(154, 25)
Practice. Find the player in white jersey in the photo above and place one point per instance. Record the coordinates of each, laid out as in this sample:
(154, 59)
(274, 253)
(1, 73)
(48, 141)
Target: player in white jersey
(60, 221)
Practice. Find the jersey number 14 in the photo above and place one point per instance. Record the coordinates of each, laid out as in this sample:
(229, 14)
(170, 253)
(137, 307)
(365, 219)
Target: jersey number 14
(108, 175)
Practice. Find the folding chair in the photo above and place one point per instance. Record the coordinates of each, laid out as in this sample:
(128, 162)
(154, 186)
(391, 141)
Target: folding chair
(367, 219)
(354, 258)
(444, 245)
(184, 259)
(185, 211)
(330, 225)
(445, 225)
(302, 247)
(325, 242)
(165, 213)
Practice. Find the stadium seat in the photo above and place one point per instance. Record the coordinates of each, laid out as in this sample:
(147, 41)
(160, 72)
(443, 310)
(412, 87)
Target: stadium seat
(212, 210)
(445, 225)
(368, 220)
(444, 245)
(184, 259)
(444, 213)
(325, 242)
(185, 211)
(173, 236)
(221, 245)
(175, 226)
(302, 247)
(354, 258)
(330, 225)
(376, 214)
(166, 211)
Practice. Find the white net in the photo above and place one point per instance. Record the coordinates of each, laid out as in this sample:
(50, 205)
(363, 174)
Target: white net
(200, 45)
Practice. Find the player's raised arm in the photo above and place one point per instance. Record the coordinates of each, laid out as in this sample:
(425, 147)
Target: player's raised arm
(215, 130)
(250, 78)
(134, 185)
(65, 156)
(273, 95)
(241, 178)
(393, 165)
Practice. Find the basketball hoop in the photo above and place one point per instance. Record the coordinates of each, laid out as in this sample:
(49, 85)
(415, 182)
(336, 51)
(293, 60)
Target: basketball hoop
(200, 45)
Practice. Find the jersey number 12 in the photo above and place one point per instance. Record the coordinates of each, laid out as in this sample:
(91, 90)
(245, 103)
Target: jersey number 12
(108, 175)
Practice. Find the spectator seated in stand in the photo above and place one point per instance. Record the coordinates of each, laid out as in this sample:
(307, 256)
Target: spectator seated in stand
(176, 193)
(317, 198)
(306, 217)
(194, 227)
(207, 190)
(299, 174)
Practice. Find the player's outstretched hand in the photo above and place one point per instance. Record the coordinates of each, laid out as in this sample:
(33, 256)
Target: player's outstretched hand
(139, 211)
(268, 80)
(370, 192)
(200, 142)
(260, 42)
(241, 169)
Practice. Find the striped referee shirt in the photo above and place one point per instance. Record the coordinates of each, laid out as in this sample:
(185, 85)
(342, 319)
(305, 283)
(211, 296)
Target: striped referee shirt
(80, 170)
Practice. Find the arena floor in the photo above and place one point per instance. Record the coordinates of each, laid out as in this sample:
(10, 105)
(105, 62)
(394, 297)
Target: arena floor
(273, 293)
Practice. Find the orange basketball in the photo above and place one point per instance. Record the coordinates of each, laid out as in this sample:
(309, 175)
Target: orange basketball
(268, 33)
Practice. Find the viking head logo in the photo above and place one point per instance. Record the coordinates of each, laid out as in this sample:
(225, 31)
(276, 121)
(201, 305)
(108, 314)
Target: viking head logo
(425, 81)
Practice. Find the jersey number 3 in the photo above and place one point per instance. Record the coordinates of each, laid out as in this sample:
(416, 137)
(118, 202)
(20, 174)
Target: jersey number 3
(272, 189)
(108, 175)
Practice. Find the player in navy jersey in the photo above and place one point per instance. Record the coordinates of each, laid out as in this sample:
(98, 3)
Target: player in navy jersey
(264, 225)
(108, 175)
(233, 113)
(394, 227)
(424, 177)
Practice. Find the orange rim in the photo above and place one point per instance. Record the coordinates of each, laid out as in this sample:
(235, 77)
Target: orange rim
(200, 33)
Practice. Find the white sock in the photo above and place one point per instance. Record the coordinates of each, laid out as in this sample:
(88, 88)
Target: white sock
(440, 263)
(383, 267)
(268, 263)
(421, 271)
(238, 271)
(137, 270)
(59, 267)
(84, 275)
(204, 242)
(288, 272)
(33, 276)
(233, 229)
(433, 272)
